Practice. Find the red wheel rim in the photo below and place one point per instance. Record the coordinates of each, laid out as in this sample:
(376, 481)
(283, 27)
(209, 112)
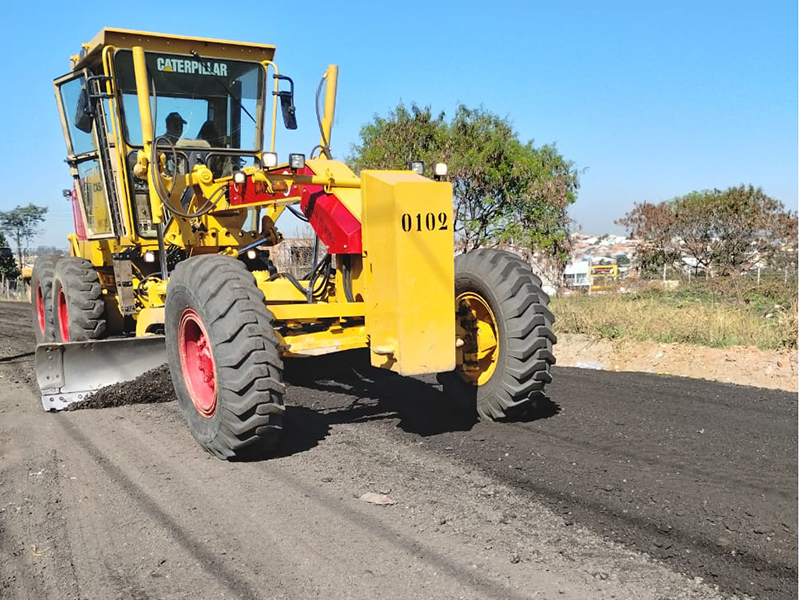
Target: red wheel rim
(197, 363)
(40, 307)
(63, 318)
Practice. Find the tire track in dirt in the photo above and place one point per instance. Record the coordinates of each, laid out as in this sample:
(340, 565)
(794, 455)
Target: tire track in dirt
(712, 515)
(376, 543)
(227, 490)
(35, 547)
(151, 515)
(666, 465)
(727, 494)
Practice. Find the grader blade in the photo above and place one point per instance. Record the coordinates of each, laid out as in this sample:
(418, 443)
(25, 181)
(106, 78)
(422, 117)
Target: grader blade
(71, 372)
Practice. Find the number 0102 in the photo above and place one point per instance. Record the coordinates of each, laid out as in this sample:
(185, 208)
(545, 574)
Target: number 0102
(424, 222)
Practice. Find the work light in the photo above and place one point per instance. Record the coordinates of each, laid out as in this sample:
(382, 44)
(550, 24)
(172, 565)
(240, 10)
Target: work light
(239, 177)
(297, 161)
(417, 166)
(269, 160)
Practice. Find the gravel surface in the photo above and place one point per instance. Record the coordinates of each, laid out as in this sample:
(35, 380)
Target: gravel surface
(618, 486)
(153, 386)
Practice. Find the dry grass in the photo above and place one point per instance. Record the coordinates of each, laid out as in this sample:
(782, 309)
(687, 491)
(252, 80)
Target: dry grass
(717, 313)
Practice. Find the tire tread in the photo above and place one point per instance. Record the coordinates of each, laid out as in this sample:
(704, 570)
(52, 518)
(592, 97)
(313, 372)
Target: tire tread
(528, 325)
(249, 368)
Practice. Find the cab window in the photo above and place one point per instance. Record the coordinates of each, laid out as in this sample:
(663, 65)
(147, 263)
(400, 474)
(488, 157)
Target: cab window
(217, 103)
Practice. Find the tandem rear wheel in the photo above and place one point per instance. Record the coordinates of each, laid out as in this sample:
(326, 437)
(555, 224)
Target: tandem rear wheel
(505, 335)
(42, 298)
(223, 357)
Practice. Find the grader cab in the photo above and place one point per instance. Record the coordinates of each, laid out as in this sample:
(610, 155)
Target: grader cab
(174, 191)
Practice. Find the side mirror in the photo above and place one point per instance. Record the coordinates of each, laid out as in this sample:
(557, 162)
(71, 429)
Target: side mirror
(287, 103)
(84, 117)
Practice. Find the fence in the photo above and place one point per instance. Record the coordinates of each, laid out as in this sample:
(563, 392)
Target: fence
(14, 289)
(767, 275)
(294, 256)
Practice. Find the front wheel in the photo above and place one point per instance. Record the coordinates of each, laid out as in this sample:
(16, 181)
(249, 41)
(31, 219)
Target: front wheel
(79, 311)
(504, 334)
(223, 356)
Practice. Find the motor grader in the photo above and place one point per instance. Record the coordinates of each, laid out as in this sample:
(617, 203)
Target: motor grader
(174, 189)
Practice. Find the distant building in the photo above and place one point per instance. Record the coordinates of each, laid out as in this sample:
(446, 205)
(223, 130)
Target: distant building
(576, 275)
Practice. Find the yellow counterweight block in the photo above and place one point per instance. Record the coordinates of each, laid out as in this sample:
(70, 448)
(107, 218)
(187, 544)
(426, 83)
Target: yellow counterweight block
(408, 257)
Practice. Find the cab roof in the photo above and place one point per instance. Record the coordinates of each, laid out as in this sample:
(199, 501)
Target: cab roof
(173, 44)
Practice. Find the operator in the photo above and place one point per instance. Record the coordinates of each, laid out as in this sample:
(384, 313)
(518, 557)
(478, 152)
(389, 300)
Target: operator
(208, 132)
(175, 125)
(207, 136)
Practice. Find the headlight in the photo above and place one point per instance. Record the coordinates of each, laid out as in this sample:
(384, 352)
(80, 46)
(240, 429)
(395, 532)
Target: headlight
(251, 254)
(239, 177)
(440, 169)
(417, 166)
(269, 160)
(149, 256)
(297, 161)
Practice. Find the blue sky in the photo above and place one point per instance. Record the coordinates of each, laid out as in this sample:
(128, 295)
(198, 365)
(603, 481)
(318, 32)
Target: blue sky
(650, 100)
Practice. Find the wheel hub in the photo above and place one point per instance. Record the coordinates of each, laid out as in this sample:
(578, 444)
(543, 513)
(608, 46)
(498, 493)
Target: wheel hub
(477, 327)
(197, 363)
(40, 307)
(63, 317)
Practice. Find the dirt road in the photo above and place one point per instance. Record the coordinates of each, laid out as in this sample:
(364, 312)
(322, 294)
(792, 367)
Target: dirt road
(622, 486)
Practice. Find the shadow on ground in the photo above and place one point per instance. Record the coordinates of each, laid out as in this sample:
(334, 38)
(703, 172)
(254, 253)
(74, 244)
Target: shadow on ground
(330, 390)
(344, 388)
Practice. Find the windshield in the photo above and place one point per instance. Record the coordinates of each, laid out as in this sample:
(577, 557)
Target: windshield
(201, 103)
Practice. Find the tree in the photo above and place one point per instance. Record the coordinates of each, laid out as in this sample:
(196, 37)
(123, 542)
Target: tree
(719, 230)
(22, 224)
(8, 268)
(503, 190)
(52, 250)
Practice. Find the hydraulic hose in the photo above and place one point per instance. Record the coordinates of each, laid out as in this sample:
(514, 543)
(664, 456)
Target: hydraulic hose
(297, 213)
(347, 281)
(164, 194)
(325, 147)
(324, 266)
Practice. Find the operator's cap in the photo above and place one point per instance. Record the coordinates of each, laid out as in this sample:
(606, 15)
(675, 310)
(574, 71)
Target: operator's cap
(173, 116)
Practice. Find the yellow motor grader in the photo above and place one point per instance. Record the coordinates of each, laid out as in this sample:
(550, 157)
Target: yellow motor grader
(175, 199)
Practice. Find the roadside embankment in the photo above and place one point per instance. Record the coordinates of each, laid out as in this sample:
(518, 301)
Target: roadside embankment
(727, 329)
(774, 369)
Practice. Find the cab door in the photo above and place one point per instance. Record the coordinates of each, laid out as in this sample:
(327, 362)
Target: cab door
(82, 112)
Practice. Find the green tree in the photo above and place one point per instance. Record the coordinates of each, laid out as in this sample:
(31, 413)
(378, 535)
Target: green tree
(504, 190)
(8, 267)
(720, 230)
(22, 224)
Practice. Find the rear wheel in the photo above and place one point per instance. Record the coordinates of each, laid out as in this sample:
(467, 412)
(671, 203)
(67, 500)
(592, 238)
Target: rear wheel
(42, 298)
(505, 334)
(223, 356)
(78, 305)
